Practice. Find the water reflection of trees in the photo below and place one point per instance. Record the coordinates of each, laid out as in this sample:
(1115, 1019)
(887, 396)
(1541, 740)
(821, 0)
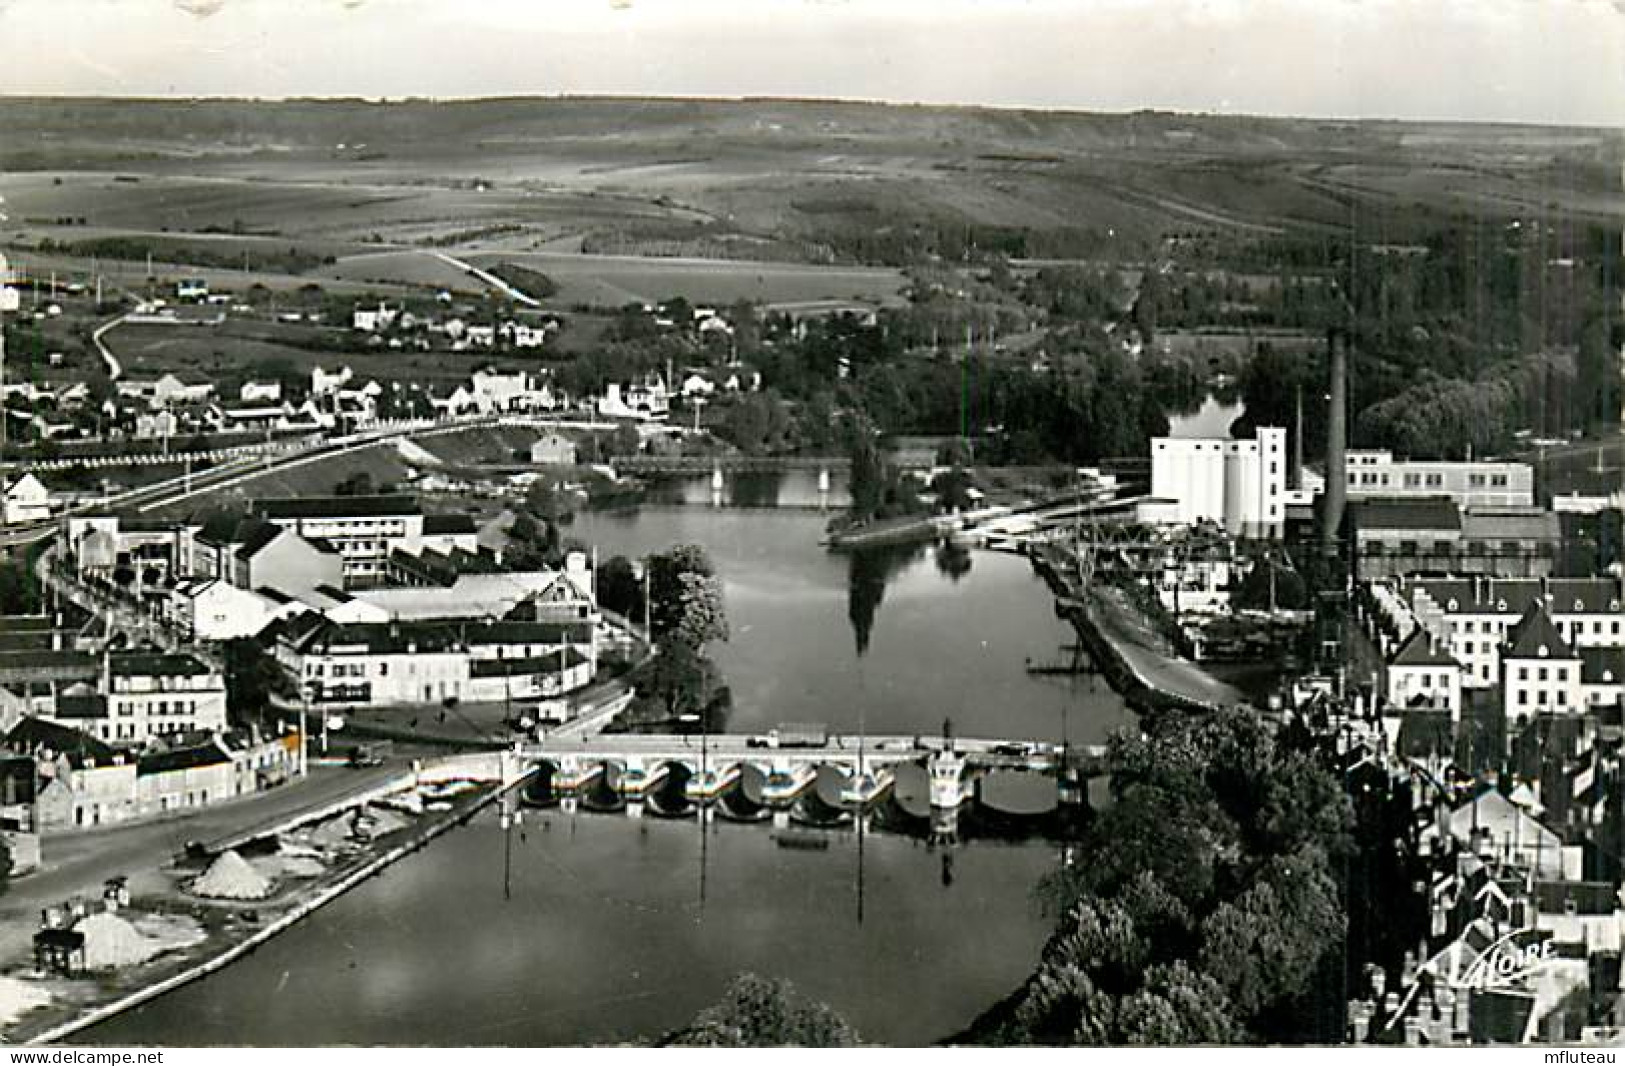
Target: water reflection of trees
(755, 489)
(953, 562)
(868, 572)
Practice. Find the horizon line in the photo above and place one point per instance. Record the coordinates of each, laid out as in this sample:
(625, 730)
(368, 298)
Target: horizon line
(772, 98)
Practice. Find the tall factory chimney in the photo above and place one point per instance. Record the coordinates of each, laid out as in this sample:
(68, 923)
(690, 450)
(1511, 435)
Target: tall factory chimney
(1331, 519)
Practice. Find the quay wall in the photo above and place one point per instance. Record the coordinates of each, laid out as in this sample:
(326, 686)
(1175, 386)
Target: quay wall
(417, 837)
(1142, 694)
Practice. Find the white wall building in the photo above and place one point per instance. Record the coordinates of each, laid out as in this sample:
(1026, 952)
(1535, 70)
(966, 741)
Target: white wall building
(1541, 672)
(209, 609)
(1421, 674)
(144, 696)
(1239, 484)
(1375, 472)
(27, 500)
(1474, 617)
(364, 529)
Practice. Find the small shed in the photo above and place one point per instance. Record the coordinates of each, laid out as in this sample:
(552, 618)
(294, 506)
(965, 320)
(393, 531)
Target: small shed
(59, 951)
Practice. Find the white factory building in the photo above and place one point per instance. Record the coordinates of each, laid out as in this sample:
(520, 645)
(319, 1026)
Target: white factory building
(1239, 484)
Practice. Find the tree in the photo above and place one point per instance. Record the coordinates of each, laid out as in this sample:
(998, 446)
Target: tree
(619, 588)
(252, 678)
(1270, 586)
(680, 679)
(626, 440)
(685, 597)
(357, 484)
(550, 500)
(953, 490)
(762, 1012)
(868, 479)
(19, 592)
(1207, 908)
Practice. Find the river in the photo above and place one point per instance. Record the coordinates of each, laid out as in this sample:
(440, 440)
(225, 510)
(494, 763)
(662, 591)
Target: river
(604, 936)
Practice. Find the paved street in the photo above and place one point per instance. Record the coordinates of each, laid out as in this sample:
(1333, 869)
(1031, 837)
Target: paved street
(79, 862)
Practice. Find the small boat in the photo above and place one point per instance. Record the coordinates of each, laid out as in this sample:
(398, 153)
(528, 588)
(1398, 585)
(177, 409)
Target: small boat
(801, 841)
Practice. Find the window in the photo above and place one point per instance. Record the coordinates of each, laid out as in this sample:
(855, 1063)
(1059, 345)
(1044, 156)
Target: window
(383, 669)
(1523, 695)
(1499, 481)
(1541, 675)
(1523, 673)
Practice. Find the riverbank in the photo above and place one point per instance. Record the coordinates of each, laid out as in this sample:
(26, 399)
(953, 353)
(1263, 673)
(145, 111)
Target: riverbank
(1136, 660)
(307, 864)
(887, 532)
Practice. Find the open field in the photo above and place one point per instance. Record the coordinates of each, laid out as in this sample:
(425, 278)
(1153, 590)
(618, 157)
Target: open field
(237, 350)
(616, 280)
(530, 174)
(382, 463)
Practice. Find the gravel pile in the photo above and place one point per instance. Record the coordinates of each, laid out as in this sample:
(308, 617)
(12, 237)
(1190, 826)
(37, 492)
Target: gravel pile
(111, 942)
(231, 877)
(18, 998)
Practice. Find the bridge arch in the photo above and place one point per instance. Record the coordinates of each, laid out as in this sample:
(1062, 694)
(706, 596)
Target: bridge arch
(667, 794)
(744, 799)
(540, 788)
(603, 791)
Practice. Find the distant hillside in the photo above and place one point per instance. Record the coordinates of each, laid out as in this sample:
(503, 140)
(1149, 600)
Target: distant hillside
(810, 180)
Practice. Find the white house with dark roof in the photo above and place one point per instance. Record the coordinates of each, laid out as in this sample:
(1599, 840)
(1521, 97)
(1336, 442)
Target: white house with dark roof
(1540, 672)
(1422, 674)
(1474, 617)
(1602, 676)
(213, 610)
(145, 695)
(27, 500)
(417, 663)
(449, 533)
(252, 553)
(260, 392)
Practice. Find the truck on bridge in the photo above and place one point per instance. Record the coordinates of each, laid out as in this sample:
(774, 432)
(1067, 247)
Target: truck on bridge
(796, 735)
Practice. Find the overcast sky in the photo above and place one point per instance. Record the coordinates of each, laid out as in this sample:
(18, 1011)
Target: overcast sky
(1551, 61)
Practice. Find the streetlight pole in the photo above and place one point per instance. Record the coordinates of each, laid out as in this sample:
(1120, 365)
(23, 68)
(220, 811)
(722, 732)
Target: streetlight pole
(648, 630)
(305, 692)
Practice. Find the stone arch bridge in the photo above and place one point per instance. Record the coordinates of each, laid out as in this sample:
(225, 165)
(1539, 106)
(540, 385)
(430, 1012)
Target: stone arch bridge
(633, 769)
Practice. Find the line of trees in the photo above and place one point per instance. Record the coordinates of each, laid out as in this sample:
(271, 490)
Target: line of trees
(1207, 910)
